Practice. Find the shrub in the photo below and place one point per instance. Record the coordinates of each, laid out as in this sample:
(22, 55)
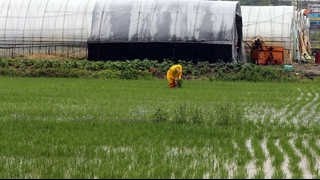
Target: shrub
(107, 74)
(129, 74)
(145, 69)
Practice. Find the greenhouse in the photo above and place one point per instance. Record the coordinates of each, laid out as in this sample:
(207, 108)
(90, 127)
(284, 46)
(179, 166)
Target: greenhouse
(59, 27)
(155, 29)
(126, 29)
(274, 25)
(278, 26)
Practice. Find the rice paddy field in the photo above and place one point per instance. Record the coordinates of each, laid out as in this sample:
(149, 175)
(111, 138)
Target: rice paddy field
(87, 128)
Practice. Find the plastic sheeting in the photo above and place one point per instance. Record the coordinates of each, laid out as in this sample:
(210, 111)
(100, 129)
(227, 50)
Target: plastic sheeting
(275, 25)
(164, 21)
(34, 23)
(279, 26)
(272, 23)
(64, 26)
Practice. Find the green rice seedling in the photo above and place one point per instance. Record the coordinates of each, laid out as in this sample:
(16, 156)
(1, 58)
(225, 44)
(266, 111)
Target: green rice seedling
(278, 158)
(294, 159)
(228, 115)
(160, 115)
(301, 142)
(95, 128)
(197, 115)
(181, 114)
(260, 158)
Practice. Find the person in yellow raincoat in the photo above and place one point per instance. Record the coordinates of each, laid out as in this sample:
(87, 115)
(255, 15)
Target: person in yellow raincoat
(174, 76)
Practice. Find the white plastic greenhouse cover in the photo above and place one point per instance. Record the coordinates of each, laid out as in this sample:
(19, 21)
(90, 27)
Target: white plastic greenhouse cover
(64, 26)
(165, 21)
(31, 23)
(274, 24)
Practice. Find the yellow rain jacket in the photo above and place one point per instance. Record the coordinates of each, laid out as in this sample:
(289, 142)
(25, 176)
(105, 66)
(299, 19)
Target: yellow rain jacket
(173, 74)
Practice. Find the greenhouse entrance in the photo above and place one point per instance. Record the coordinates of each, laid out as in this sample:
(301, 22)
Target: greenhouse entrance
(158, 51)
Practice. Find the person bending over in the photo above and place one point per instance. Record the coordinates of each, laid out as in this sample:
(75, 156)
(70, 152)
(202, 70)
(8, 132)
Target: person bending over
(174, 76)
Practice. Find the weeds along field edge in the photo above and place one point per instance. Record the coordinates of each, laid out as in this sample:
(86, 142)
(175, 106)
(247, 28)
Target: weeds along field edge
(144, 69)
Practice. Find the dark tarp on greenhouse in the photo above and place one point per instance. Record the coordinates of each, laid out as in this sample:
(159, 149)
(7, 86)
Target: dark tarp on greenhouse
(176, 29)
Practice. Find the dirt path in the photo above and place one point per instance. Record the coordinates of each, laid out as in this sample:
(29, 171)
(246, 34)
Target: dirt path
(309, 70)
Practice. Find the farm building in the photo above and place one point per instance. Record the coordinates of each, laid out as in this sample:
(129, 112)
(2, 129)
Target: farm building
(59, 27)
(122, 29)
(281, 28)
(179, 29)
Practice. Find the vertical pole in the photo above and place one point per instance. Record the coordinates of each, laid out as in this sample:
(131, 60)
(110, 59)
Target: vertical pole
(24, 42)
(295, 4)
(42, 46)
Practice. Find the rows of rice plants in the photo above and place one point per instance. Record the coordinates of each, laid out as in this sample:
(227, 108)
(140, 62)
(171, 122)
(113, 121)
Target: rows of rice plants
(87, 128)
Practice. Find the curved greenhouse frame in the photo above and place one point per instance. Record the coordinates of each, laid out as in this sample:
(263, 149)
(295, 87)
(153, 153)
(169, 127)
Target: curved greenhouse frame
(45, 27)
